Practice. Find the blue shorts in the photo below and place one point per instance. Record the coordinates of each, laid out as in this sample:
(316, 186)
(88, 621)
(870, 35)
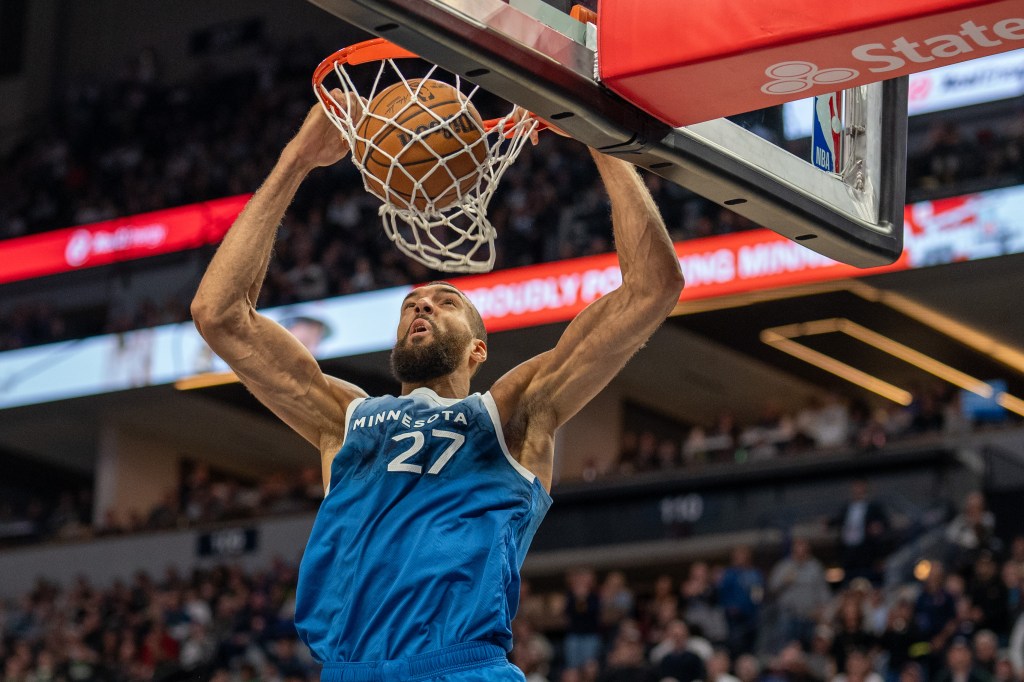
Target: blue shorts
(469, 662)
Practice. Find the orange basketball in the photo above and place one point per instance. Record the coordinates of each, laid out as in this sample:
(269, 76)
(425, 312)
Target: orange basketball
(436, 139)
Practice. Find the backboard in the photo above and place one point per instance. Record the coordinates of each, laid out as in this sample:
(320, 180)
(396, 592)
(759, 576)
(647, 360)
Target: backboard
(533, 55)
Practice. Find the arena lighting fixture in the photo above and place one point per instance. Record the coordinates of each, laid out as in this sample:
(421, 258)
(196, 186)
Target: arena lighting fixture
(1011, 403)
(855, 376)
(916, 358)
(958, 331)
(205, 380)
(979, 341)
(890, 346)
(782, 338)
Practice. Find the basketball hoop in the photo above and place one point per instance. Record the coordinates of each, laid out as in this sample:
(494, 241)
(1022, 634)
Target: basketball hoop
(454, 235)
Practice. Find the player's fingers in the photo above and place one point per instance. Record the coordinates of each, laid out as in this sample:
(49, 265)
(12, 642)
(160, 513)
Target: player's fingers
(350, 102)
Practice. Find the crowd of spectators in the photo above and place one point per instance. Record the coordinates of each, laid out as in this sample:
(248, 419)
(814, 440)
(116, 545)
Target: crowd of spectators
(203, 496)
(755, 617)
(221, 624)
(832, 424)
(788, 618)
(950, 157)
(142, 142)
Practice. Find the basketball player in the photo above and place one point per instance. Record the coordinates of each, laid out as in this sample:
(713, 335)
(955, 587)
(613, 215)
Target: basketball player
(432, 496)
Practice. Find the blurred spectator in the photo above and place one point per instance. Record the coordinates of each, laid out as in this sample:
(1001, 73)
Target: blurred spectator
(986, 651)
(858, 668)
(928, 411)
(532, 606)
(799, 590)
(531, 652)
(988, 593)
(747, 668)
(935, 610)
(617, 601)
(662, 607)
(1015, 647)
(971, 532)
(770, 435)
(672, 657)
(1016, 557)
(820, 663)
(1011, 577)
(960, 664)
(740, 592)
(826, 424)
(849, 633)
(700, 606)
(583, 619)
(718, 667)
(901, 639)
(1004, 671)
(790, 665)
(626, 661)
(876, 610)
(862, 525)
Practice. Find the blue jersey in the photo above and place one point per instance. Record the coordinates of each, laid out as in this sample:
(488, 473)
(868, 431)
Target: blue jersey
(418, 543)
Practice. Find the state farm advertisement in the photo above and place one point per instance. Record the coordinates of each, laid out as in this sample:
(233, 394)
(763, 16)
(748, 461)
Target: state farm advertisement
(110, 241)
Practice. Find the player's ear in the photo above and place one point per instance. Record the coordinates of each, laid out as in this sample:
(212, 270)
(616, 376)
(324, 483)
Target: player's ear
(478, 351)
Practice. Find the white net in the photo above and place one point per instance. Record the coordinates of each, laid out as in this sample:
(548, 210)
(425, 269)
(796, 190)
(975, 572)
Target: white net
(434, 168)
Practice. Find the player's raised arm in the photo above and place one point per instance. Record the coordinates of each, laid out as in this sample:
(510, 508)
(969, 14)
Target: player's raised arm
(271, 362)
(549, 389)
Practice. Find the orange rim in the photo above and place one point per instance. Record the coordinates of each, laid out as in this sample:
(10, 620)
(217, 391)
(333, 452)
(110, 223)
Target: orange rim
(377, 50)
(374, 50)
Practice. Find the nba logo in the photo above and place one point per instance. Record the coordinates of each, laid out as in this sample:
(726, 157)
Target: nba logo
(827, 132)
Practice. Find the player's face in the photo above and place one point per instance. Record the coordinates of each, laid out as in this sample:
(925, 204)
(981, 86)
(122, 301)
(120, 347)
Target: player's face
(434, 334)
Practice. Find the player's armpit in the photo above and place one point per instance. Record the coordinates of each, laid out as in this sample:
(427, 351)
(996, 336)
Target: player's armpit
(282, 374)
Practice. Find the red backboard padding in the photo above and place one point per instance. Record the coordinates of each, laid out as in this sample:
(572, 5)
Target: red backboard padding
(686, 61)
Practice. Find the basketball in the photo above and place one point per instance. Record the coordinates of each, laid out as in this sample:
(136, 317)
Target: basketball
(435, 139)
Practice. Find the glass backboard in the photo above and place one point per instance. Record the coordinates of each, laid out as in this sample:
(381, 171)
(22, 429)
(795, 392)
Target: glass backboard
(532, 54)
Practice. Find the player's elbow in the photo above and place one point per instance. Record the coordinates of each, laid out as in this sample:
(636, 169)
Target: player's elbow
(209, 317)
(660, 287)
(670, 291)
(673, 281)
(203, 312)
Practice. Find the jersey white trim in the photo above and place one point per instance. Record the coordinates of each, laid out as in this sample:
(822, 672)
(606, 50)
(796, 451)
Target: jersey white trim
(492, 412)
(349, 411)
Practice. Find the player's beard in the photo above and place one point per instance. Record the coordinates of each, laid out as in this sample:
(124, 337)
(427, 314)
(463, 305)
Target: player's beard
(417, 363)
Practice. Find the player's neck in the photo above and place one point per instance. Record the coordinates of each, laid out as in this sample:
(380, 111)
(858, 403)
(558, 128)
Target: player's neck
(454, 385)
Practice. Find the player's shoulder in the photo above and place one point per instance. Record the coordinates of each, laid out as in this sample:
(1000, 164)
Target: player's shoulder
(344, 392)
(346, 395)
